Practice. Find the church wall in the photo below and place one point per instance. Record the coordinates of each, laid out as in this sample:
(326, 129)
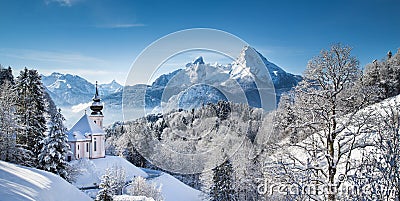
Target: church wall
(98, 150)
(81, 151)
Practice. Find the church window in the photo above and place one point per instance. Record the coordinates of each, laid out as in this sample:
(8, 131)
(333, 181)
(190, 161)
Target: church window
(87, 147)
(95, 144)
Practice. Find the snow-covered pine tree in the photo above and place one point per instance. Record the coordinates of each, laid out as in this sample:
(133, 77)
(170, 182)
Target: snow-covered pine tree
(55, 148)
(6, 75)
(384, 74)
(51, 108)
(222, 188)
(106, 187)
(30, 111)
(7, 122)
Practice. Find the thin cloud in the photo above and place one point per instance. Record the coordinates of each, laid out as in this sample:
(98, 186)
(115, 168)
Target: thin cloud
(46, 56)
(81, 106)
(116, 26)
(62, 2)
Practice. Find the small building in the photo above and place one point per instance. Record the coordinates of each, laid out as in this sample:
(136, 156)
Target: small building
(87, 137)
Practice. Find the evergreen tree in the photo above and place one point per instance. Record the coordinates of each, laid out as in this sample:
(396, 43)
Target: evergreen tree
(222, 187)
(30, 111)
(106, 187)
(6, 75)
(7, 122)
(55, 148)
(385, 75)
(9, 149)
(51, 108)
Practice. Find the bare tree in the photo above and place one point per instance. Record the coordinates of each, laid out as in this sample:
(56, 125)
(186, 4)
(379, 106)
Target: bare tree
(380, 164)
(326, 128)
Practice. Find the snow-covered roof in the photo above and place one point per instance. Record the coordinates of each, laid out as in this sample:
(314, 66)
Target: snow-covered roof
(84, 127)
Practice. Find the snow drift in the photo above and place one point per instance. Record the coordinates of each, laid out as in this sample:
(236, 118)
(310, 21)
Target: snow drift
(23, 183)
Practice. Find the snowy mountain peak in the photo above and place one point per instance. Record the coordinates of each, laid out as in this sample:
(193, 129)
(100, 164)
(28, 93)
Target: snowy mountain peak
(110, 88)
(251, 63)
(198, 60)
(55, 74)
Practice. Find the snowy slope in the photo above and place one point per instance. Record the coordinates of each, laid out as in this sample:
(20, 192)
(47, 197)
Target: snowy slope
(93, 169)
(174, 190)
(23, 183)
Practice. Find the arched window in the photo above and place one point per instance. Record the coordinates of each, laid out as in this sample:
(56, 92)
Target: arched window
(95, 144)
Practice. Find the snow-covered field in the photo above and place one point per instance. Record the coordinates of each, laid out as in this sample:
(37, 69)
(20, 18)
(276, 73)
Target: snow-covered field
(23, 183)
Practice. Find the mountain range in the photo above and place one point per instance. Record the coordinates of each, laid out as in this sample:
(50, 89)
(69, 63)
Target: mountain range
(195, 84)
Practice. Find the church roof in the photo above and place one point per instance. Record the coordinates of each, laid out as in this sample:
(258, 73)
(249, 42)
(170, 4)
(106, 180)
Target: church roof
(84, 127)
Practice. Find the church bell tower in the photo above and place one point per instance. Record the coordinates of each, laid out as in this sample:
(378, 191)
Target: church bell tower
(97, 115)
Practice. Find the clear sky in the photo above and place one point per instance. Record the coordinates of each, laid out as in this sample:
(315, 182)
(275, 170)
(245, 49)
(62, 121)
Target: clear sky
(99, 39)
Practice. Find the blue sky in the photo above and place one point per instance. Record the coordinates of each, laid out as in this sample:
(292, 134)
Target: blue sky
(99, 39)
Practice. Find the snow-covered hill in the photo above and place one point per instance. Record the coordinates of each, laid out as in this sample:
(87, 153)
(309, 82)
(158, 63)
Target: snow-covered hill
(23, 183)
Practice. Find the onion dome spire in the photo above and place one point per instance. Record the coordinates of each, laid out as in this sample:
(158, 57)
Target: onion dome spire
(96, 106)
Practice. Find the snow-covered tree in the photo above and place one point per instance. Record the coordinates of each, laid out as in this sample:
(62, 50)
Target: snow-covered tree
(222, 187)
(8, 125)
(379, 168)
(139, 187)
(325, 104)
(30, 111)
(385, 75)
(10, 150)
(55, 148)
(6, 75)
(118, 179)
(106, 187)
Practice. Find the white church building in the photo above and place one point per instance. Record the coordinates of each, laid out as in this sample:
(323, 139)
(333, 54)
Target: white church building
(87, 137)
